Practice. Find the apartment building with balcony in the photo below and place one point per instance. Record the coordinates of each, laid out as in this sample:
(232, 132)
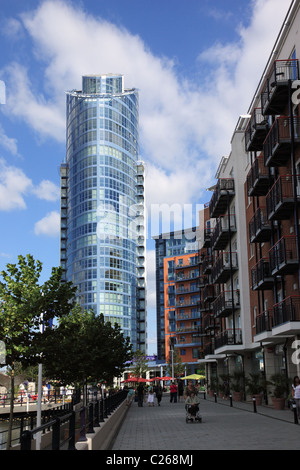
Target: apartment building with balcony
(169, 245)
(251, 243)
(226, 322)
(183, 312)
(272, 141)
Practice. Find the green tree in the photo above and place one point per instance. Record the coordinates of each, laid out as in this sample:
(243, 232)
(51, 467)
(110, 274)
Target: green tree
(85, 347)
(140, 364)
(178, 367)
(25, 306)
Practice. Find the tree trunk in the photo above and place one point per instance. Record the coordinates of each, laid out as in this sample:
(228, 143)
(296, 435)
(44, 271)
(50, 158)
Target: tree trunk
(11, 413)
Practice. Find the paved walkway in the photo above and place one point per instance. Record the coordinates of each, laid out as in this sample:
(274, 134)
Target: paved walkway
(223, 428)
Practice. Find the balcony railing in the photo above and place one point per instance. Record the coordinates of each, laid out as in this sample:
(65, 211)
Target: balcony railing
(223, 268)
(274, 97)
(189, 315)
(207, 264)
(280, 198)
(283, 256)
(228, 337)
(259, 178)
(224, 229)
(191, 262)
(261, 275)
(221, 197)
(188, 303)
(256, 131)
(208, 293)
(186, 276)
(264, 321)
(207, 237)
(287, 311)
(225, 303)
(259, 226)
(277, 146)
(209, 322)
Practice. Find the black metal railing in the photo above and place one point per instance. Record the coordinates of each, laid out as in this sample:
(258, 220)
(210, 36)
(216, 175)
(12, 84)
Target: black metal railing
(80, 423)
(287, 311)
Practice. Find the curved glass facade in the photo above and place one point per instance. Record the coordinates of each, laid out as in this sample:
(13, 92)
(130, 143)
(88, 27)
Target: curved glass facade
(99, 193)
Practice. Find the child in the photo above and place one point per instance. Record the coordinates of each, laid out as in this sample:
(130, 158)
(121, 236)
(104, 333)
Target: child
(151, 397)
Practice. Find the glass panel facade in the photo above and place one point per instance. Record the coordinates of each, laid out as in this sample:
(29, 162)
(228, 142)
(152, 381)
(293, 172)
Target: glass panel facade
(99, 249)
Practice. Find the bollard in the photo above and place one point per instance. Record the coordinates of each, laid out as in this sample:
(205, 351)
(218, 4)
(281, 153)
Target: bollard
(82, 436)
(96, 416)
(295, 413)
(215, 397)
(56, 434)
(91, 419)
(101, 410)
(26, 440)
(254, 405)
(230, 398)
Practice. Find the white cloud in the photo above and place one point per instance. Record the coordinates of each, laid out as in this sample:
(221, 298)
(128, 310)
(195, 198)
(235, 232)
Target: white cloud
(185, 126)
(14, 185)
(9, 143)
(49, 225)
(47, 190)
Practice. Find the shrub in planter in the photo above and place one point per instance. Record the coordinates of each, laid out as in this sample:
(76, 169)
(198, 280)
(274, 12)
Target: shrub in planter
(280, 384)
(255, 386)
(237, 385)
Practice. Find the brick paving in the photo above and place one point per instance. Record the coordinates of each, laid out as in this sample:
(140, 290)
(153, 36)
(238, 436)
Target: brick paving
(223, 428)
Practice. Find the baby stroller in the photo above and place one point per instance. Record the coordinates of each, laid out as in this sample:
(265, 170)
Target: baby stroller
(192, 413)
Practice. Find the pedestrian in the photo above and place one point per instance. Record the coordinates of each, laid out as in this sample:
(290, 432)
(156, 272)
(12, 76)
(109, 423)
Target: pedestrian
(150, 397)
(158, 393)
(140, 394)
(130, 396)
(190, 389)
(173, 392)
(296, 393)
(180, 390)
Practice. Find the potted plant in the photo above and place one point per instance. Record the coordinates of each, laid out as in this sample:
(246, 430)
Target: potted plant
(237, 385)
(212, 386)
(280, 383)
(255, 386)
(224, 386)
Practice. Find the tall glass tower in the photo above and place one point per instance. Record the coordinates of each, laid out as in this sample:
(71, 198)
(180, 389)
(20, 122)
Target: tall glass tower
(101, 203)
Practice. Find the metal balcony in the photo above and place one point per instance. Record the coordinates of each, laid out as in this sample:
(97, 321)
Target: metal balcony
(224, 229)
(225, 304)
(256, 131)
(277, 145)
(280, 198)
(261, 275)
(275, 94)
(222, 268)
(207, 237)
(208, 293)
(283, 256)
(221, 197)
(259, 227)
(264, 321)
(229, 337)
(287, 311)
(207, 264)
(259, 178)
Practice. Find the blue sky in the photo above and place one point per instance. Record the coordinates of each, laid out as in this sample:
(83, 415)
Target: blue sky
(196, 65)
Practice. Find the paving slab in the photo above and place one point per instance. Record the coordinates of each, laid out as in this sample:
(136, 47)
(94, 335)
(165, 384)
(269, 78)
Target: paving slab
(223, 427)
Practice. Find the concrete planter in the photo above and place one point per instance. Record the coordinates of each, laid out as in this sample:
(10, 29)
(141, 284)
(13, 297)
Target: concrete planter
(278, 403)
